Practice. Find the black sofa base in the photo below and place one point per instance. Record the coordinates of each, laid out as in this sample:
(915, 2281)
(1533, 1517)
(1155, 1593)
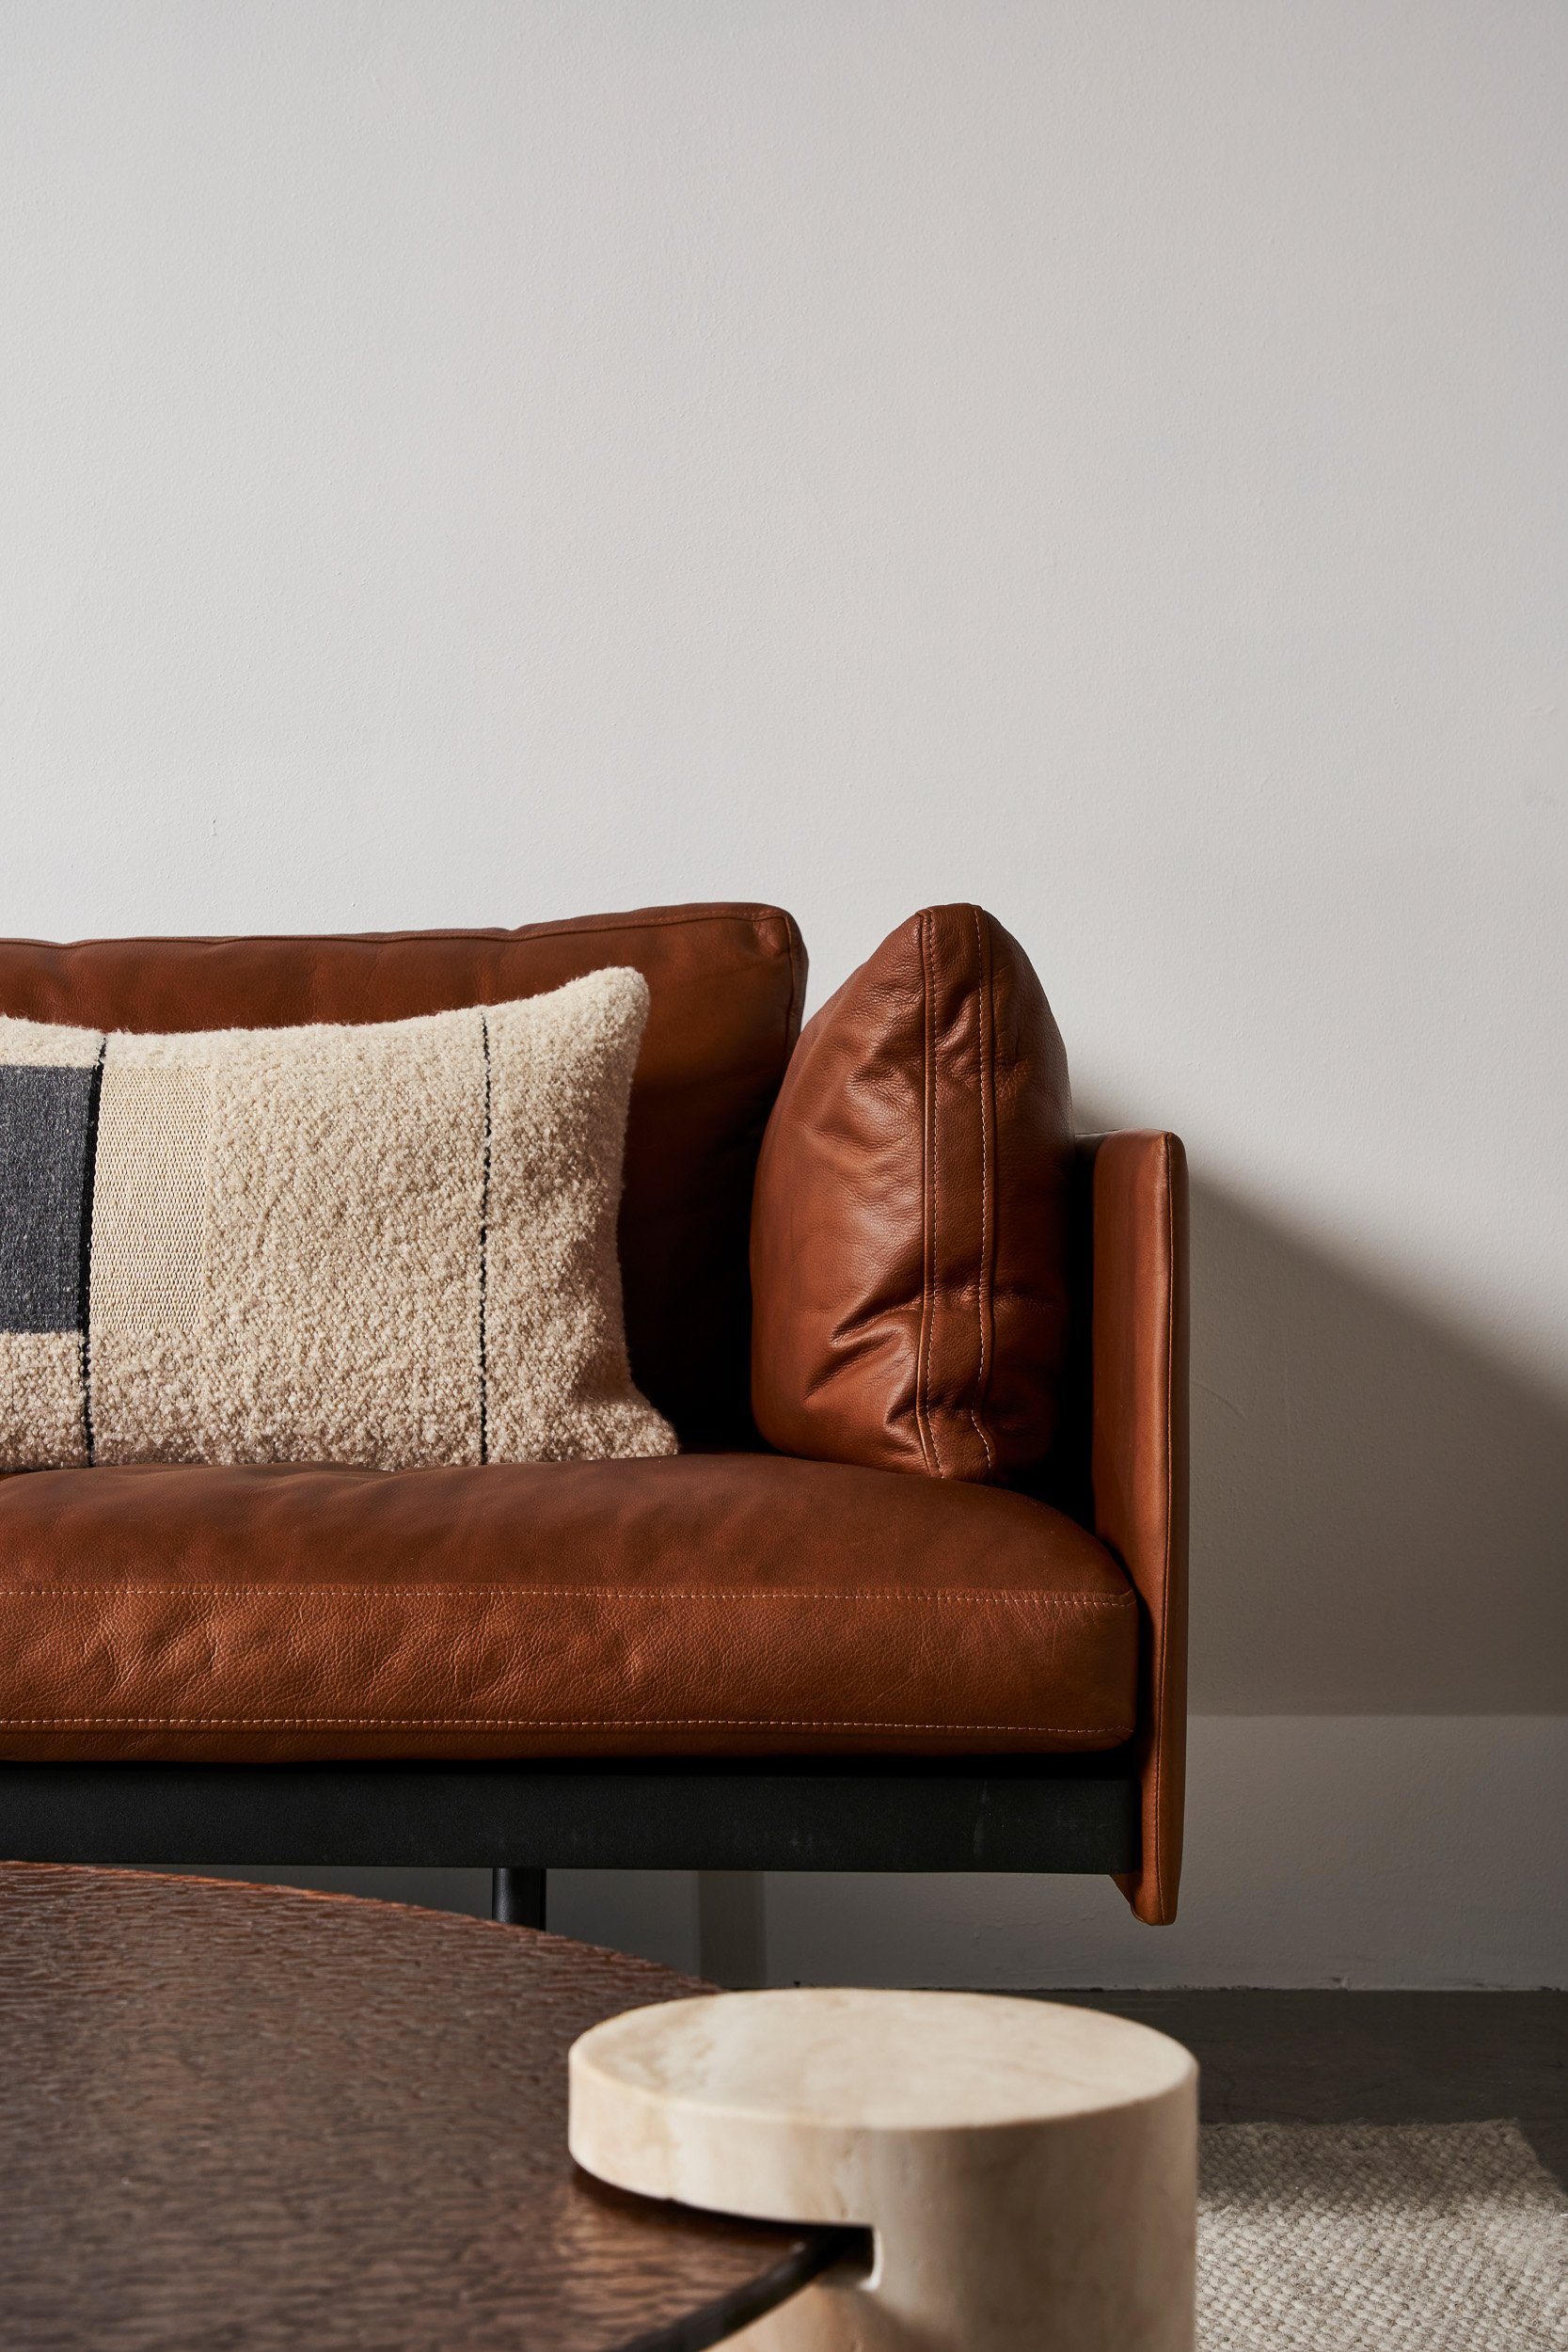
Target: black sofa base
(1034, 1813)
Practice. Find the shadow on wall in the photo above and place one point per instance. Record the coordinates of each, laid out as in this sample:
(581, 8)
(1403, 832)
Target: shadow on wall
(1380, 1510)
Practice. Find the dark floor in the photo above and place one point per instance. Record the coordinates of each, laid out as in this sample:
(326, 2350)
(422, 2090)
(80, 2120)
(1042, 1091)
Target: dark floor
(1371, 2058)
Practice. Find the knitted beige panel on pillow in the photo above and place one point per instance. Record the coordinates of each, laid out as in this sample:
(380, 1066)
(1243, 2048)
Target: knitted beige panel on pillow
(383, 1245)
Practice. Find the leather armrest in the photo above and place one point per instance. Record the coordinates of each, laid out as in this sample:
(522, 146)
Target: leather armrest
(1139, 1461)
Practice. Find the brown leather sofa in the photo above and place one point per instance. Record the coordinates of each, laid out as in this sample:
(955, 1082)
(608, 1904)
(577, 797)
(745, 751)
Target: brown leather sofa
(934, 1625)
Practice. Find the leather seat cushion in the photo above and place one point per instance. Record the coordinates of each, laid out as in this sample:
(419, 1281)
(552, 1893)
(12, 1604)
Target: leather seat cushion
(708, 1604)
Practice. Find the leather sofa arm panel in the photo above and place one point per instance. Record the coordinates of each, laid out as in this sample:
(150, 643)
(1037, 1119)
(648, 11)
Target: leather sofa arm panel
(1139, 1461)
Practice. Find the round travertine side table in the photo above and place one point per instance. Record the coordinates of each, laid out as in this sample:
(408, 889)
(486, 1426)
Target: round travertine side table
(1028, 2170)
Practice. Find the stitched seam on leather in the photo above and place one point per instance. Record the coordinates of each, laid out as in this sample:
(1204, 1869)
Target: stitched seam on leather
(537, 1722)
(796, 982)
(980, 994)
(740, 912)
(902, 1592)
(924, 1430)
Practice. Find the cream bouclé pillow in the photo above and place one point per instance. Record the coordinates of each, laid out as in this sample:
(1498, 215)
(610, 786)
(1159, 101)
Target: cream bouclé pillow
(387, 1244)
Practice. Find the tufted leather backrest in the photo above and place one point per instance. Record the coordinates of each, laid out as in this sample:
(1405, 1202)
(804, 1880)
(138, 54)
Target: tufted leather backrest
(726, 984)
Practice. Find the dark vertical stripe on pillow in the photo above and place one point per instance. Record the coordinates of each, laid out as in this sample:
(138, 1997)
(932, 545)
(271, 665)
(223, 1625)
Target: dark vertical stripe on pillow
(485, 1258)
(46, 1170)
(84, 1241)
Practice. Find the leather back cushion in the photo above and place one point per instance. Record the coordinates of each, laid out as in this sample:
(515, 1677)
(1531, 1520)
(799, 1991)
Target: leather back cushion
(910, 1226)
(726, 985)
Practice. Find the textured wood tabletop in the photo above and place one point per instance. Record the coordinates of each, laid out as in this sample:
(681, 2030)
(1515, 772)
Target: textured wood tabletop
(247, 2117)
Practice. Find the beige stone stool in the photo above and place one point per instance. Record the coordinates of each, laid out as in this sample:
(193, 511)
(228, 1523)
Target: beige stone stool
(1028, 2170)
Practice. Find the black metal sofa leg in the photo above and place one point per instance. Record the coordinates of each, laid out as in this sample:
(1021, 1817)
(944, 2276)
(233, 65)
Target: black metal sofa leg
(517, 1897)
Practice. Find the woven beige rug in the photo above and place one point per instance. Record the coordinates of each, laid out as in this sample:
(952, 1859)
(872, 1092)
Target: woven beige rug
(1349, 2237)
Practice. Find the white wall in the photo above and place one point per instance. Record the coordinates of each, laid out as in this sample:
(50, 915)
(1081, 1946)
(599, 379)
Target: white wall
(471, 460)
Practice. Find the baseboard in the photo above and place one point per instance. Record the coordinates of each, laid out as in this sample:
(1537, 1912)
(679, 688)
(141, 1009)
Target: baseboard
(1367, 1850)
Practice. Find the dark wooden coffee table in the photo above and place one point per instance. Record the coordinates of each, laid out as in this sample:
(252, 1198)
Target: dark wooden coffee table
(250, 2119)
